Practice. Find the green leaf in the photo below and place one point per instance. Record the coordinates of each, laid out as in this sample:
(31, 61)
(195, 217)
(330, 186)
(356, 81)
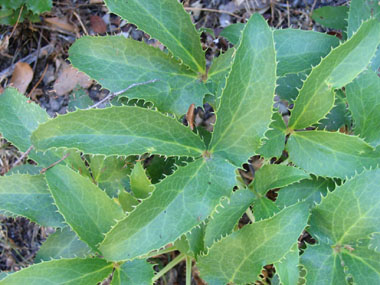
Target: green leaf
(340, 67)
(110, 173)
(338, 116)
(227, 216)
(39, 6)
(334, 17)
(289, 85)
(363, 96)
(116, 63)
(86, 208)
(249, 93)
(118, 131)
(299, 50)
(323, 266)
(361, 10)
(64, 271)
(79, 99)
(287, 268)
(140, 183)
(272, 176)
(167, 22)
(309, 191)
(218, 72)
(263, 208)
(127, 201)
(374, 243)
(135, 272)
(233, 32)
(64, 243)
(363, 263)
(25, 169)
(331, 154)
(296, 50)
(350, 212)
(28, 196)
(274, 143)
(192, 243)
(179, 203)
(240, 257)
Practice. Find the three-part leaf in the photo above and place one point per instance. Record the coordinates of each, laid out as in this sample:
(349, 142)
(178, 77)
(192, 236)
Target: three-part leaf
(331, 154)
(340, 67)
(116, 63)
(118, 131)
(168, 22)
(245, 110)
(86, 208)
(28, 196)
(179, 203)
(240, 257)
(63, 271)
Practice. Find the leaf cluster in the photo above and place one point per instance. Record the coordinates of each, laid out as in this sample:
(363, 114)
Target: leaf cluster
(11, 10)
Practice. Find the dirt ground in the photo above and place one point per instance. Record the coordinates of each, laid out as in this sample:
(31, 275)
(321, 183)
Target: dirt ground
(52, 83)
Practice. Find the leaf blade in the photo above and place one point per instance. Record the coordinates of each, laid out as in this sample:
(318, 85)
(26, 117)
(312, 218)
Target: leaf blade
(249, 90)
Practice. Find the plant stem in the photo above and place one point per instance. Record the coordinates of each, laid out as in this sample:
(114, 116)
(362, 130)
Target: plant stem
(162, 251)
(168, 267)
(250, 215)
(189, 265)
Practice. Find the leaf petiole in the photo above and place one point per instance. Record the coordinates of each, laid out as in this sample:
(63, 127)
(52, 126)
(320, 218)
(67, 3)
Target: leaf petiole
(168, 267)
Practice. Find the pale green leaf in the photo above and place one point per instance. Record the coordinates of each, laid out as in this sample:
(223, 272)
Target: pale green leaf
(193, 242)
(287, 268)
(350, 212)
(24, 169)
(263, 208)
(296, 50)
(168, 22)
(64, 243)
(361, 10)
(110, 173)
(28, 196)
(140, 183)
(331, 154)
(363, 96)
(340, 67)
(127, 201)
(118, 131)
(74, 271)
(135, 272)
(310, 191)
(362, 263)
(272, 176)
(86, 208)
(240, 257)
(227, 216)
(248, 95)
(374, 243)
(116, 63)
(333, 17)
(323, 266)
(274, 142)
(179, 203)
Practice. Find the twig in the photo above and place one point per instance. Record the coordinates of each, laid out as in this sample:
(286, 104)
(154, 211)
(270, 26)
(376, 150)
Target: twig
(55, 163)
(18, 19)
(38, 82)
(38, 52)
(212, 10)
(80, 22)
(28, 59)
(25, 154)
(112, 95)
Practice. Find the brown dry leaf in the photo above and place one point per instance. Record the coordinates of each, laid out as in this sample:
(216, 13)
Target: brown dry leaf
(96, 1)
(1, 90)
(98, 25)
(22, 76)
(69, 78)
(61, 23)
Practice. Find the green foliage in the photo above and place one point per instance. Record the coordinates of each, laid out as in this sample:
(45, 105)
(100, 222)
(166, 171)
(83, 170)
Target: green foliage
(334, 17)
(10, 10)
(138, 183)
